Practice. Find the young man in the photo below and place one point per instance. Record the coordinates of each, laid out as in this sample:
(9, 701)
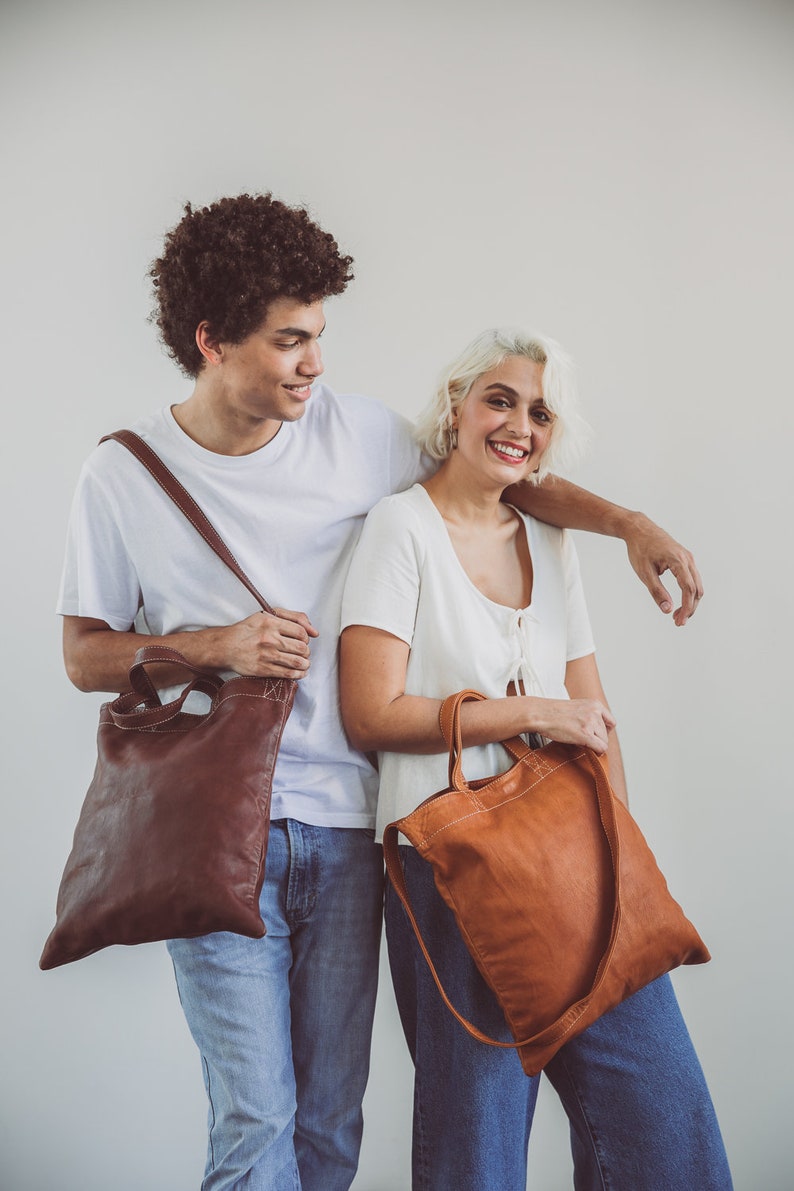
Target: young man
(286, 470)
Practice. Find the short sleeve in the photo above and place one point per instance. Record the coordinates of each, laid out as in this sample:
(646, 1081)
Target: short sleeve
(99, 579)
(579, 633)
(382, 588)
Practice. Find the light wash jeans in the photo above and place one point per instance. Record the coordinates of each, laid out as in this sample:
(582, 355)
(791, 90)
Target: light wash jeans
(283, 1023)
(640, 1114)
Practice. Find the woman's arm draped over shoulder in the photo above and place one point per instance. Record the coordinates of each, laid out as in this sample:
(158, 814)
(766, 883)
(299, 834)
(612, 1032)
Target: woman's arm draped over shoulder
(651, 550)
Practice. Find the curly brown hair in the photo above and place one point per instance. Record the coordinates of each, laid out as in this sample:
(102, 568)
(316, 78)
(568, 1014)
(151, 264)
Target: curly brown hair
(227, 262)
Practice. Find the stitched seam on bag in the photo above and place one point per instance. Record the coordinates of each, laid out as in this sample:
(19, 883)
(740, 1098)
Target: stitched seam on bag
(191, 727)
(541, 765)
(145, 728)
(487, 809)
(270, 693)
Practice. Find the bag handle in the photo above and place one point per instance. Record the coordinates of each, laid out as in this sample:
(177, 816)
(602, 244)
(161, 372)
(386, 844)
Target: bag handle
(184, 501)
(140, 707)
(449, 716)
(450, 719)
(206, 680)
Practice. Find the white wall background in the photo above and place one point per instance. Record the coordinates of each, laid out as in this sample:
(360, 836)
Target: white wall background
(619, 174)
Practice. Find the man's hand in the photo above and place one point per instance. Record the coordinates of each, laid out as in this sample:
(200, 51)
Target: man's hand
(98, 657)
(652, 551)
(270, 646)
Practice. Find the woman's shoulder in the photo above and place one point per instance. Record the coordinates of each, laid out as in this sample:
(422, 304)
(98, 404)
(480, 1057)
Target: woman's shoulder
(397, 526)
(550, 545)
(402, 508)
(549, 535)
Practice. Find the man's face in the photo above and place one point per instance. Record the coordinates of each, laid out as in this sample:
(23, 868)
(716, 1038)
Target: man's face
(268, 376)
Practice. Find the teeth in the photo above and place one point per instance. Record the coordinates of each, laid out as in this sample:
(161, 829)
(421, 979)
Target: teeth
(516, 452)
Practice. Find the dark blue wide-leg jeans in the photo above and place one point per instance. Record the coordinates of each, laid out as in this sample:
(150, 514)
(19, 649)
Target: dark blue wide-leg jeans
(640, 1114)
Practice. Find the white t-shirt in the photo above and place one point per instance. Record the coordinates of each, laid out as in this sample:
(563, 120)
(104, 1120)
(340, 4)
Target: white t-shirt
(291, 514)
(406, 579)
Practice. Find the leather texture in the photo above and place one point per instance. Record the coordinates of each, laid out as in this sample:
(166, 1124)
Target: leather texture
(172, 836)
(555, 891)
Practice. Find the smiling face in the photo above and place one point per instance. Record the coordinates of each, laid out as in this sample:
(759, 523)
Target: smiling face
(268, 377)
(504, 425)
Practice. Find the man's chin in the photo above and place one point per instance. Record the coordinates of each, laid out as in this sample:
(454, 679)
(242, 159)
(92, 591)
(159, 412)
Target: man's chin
(295, 413)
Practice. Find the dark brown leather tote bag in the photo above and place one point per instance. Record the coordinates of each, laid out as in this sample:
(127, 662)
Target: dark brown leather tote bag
(172, 836)
(555, 891)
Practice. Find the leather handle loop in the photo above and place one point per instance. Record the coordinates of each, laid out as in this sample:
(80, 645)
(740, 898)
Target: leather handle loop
(450, 718)
(516, 747)
(149, 655)
(449, 721)
(185, 502)
(144, 688)
(126, 710)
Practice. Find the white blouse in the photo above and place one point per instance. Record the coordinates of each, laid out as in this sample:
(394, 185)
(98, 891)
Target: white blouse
(406, 579)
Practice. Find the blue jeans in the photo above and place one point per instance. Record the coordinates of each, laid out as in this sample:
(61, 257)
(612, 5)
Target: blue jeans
(640, 1114)
(283, 1023)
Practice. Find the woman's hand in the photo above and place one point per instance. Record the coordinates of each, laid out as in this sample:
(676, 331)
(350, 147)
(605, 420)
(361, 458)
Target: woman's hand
(270, 646)
(574, 721)
(583, 683)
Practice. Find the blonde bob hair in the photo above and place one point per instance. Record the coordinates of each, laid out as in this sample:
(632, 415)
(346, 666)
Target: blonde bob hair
(490, 349)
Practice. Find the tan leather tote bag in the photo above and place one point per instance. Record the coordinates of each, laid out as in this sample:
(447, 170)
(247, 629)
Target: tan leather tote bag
(554, 889)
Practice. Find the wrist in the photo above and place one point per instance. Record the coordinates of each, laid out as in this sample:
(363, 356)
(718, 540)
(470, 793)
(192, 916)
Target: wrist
(626, 523)
(205, 648)
(534, 717)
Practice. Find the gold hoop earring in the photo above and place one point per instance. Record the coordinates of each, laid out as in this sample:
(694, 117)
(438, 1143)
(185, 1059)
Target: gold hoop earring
(453, 438)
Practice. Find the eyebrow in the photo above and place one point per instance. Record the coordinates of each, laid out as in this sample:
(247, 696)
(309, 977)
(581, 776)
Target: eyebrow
(502, 388)
(299, 332)
(513, 392)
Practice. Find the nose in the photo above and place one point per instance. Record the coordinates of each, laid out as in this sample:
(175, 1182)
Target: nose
(311, 362)
(519, 424)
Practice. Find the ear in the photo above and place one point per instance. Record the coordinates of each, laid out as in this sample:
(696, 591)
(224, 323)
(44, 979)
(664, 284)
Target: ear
(208, 344)
(454, 413)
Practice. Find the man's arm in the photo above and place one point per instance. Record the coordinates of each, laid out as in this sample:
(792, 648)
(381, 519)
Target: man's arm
(652, 550)
(98, 658)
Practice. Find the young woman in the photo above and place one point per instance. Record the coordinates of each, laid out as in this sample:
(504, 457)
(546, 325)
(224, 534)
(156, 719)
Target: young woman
(451, 588)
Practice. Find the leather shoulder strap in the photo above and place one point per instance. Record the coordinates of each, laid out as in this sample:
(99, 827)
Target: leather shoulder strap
(184, 501)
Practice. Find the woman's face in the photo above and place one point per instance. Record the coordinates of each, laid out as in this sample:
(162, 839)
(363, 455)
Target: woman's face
(504, 425)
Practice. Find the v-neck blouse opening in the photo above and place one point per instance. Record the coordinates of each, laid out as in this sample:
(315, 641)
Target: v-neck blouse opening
(508, 609)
